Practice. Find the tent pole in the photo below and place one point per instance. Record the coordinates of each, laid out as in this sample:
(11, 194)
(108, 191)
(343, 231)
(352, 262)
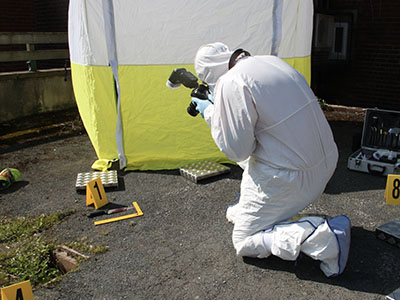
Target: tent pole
(277, 26)
(109, 28)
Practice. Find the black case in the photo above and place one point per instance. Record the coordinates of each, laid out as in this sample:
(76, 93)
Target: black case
(380, 144)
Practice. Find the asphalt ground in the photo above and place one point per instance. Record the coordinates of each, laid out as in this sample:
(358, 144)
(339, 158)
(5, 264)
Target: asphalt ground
(181, 247)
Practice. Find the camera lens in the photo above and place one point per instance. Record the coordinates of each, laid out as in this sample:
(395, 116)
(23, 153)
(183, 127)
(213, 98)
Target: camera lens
(192, 109)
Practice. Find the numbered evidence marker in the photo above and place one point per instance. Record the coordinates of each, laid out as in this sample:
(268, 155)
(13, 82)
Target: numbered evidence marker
(392, 192)
(95, 193)
(18, 291)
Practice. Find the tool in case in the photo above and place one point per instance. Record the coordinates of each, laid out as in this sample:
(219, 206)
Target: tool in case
(380, 144)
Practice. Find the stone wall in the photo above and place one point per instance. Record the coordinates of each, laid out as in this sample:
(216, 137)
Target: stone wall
(26, 93)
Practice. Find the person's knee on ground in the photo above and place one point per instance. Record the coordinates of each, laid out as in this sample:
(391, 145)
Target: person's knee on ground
(252, 246)
(231, 212)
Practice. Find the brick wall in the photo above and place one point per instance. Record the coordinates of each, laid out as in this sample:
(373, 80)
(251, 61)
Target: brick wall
(36, 16)
(51, 15)
(371, 75)
(17, 15)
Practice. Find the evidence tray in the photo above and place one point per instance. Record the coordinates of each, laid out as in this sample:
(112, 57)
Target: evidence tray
(108, 179)
(201, 170)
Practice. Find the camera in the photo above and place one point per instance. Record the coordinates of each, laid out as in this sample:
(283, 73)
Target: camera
(181, 76)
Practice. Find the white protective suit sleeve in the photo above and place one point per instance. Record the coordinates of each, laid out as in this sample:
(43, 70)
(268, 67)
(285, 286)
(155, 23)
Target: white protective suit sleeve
(233, 120)
(208, 113)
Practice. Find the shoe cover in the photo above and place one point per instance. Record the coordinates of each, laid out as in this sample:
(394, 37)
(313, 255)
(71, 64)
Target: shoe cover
(341, 227)
(330, 243)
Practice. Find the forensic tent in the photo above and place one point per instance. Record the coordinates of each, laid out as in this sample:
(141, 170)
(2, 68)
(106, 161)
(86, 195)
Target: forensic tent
(122, 53)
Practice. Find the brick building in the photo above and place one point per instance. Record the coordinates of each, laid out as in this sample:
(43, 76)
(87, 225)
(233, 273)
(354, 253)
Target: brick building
(356, 47)
(364, 67)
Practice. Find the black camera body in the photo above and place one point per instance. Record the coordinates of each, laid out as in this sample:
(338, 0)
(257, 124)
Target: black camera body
(200, 91)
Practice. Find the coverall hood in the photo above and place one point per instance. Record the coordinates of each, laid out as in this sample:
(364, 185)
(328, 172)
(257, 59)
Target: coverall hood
(211, 62)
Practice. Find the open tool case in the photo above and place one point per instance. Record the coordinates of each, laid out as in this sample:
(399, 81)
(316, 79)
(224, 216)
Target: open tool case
(380, 144)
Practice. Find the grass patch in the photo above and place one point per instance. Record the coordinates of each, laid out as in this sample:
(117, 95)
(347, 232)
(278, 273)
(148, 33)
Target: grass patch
(12, 230)
(28, 260)
(85, 247)
(25, 254)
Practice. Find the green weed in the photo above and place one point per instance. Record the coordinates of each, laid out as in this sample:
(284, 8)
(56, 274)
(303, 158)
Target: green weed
(14, 229)
(29, 260)
(322, 103)
(26, 255)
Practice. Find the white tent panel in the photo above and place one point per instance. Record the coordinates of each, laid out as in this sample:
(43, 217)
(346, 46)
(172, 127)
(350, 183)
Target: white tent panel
(170, 32)
(305, 28)
(86, 33)
(296, 29)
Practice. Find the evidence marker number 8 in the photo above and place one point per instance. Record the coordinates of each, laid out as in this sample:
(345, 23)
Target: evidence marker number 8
(392, 192)
(396, 186)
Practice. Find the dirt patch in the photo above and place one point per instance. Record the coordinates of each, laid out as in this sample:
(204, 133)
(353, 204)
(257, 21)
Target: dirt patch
(344, 113)
(36, 129)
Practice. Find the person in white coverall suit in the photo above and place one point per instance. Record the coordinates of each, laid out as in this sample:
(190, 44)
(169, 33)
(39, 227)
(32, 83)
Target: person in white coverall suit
(264, 116)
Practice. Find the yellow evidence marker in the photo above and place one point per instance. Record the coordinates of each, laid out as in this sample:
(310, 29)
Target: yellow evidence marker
(137, 214)
(392, 192)
(95, 193)
(18, 291)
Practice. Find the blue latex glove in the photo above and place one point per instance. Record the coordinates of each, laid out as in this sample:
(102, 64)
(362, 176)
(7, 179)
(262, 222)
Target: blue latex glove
(201, 105)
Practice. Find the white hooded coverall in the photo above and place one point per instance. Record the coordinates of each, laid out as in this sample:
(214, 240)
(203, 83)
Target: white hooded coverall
(266, 118)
